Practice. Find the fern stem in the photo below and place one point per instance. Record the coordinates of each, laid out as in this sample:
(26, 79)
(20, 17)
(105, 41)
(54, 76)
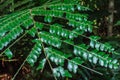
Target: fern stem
(46, 2)
(11, 60)
(42, 45)
(47, 59)
(19, 68)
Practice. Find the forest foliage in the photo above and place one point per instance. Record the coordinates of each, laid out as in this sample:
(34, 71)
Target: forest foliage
(55, 40)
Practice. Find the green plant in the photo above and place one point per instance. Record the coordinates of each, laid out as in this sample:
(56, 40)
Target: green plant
(59, 33)
(118, 23)
(7, 6)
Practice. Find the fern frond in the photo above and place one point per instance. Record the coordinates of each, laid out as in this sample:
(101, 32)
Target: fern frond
(72, 63)
(8, 25)
(82, 25)
(58, 30)
(85, 26)
(68, 7)
(59, 57)
(13, 34)
(101, 57)
(34, 54)
(48, 39)
(57, 13)
(100, 46)
(52, 37)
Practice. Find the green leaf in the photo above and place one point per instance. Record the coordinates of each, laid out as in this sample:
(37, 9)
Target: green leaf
(118, 23)
(67, 74)
(95, 60)
(59, 71)
(82, 8)
(92, 43)
(95, 38)
(92, 56)
(68, 7)
(73, 64)
(32, 32)
(97, 45)
(8, 53)
(63, 7)
(41, 64)
(27, 23)
(48, 39)
(81, 25)
(15, 32)
(30, 61)
(39, 25)
(56, 56)
(58, 30)
(8, 25)
(100, 46)
(78, 50)
(34, 53)
(48, 19)
(78, 17)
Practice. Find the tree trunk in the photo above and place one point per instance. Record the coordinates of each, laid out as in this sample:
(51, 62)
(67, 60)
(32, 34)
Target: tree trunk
(111, 17)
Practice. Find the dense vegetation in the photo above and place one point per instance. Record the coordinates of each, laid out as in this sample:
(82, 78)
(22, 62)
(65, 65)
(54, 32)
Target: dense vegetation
(59, 40)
